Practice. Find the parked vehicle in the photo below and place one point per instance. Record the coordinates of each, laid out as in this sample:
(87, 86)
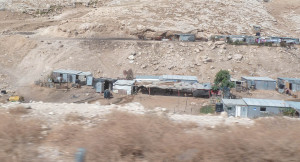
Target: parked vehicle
(16, 99)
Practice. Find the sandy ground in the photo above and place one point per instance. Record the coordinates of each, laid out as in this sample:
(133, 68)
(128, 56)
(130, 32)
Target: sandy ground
(55, 113)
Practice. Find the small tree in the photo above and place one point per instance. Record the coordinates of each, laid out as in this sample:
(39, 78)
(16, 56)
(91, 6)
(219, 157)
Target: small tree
(222, 81)
(128, 74)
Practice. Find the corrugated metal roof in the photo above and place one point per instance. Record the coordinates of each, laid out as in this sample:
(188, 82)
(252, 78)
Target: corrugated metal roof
(295, 105)
(233, 102)
(178, 77)
(85, 73)
(265, 102)
(259, 78)
(63, 71)
(124, 82)
(146, 77)
(291, 80)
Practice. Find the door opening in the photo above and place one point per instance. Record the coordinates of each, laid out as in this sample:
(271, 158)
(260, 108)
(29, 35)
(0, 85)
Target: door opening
(106, 85)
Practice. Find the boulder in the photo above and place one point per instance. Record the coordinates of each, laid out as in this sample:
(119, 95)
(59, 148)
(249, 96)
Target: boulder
(238, 57)
(218, 43)
(131, 57)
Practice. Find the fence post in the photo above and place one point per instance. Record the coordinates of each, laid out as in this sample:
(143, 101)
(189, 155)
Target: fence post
(80, 155)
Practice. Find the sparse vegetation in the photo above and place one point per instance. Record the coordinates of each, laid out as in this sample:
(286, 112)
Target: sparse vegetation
(207, 109)
(74, 117)
(18, 139)
(128, 137)
(20, 110)
(289, 112)
(128, 74)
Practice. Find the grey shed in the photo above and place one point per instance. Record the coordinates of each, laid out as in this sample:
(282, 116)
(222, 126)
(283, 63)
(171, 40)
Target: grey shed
(235, 107)
(261, 83)
(254, 108)
(288, 83)
(264, 107)
(186, 37)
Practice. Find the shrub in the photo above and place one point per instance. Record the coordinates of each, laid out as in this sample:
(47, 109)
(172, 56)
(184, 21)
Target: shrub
(20, 110)
(207, 109)
(18, 139)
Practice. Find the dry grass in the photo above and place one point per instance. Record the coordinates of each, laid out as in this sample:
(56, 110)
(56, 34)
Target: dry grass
(128, 137)
(73, 117)
(19, 110)
(18, 139)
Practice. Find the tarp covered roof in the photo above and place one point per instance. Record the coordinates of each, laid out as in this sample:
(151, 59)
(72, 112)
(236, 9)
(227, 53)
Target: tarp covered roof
(176, 85)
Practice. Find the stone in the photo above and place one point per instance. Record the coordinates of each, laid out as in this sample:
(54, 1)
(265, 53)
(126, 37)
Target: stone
(144, 66)
(218, 43)
(238, 57)
(229, 57)
(223, 46)
(131, 57)
(208, 60)
(224, 114)
(201, 48)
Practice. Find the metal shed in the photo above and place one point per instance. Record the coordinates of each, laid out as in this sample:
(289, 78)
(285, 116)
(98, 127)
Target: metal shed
(288, 83)
(235, 107)
(179, 78)
(264, 107)
(101, 84)
(262, 83)
(125, 87)
(294, 105)
(253, 108)
(186, 37)
(65, 76)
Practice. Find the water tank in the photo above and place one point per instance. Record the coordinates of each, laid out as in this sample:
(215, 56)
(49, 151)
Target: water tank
(219, 107)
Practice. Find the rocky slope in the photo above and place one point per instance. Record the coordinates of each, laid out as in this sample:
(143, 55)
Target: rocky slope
(31, 47)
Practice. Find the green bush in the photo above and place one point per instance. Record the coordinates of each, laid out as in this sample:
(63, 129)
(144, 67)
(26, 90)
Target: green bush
(289, 112)
(207, 109)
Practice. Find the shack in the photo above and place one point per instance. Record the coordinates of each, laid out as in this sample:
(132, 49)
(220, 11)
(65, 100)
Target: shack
(253, 108)
(296, 106)
(169, 88)
(261, 83)
(101, 84)
(186, 37)
(292, 84)
(146, 78)
(124, 87)
(70, 76)
(235, 107)
(179, 78)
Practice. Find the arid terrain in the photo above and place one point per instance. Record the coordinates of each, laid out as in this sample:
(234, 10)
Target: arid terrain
(101, 36)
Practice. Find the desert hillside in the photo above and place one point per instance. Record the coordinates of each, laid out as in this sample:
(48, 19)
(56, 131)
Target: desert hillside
(34, 44)
(108, 37)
